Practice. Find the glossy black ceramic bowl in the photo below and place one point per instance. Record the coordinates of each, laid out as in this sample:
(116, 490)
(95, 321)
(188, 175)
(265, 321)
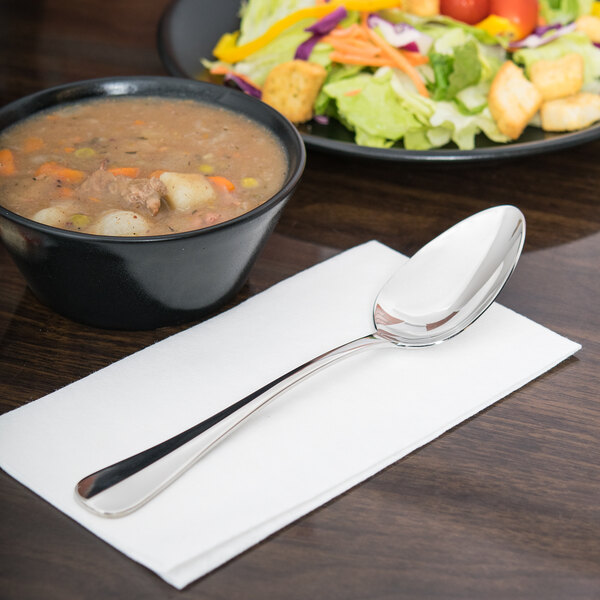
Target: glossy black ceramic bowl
(152, 281)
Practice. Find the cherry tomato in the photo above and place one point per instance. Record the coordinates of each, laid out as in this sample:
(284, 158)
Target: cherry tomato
(521, 13)
(467, 11)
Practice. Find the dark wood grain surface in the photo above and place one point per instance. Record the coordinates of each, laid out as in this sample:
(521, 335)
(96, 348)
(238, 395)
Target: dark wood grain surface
(505, 506)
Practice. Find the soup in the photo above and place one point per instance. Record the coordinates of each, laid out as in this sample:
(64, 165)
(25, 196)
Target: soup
(137, 166)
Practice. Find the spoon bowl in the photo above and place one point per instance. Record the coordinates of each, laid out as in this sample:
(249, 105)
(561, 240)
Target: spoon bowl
(452, 280)
(432, 297)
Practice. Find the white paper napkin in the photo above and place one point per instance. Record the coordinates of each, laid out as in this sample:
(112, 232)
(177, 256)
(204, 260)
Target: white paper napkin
(321, 438)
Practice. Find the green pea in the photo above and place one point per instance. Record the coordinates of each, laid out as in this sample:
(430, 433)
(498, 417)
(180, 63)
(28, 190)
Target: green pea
(206, 169)
(249, 182)
(84, 152)
(79, 220)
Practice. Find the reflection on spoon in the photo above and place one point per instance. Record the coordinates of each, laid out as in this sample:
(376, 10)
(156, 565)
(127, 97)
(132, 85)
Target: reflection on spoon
(432, 297)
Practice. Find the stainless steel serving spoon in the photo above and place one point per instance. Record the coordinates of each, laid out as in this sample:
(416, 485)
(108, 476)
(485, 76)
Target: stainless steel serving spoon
(433, 296)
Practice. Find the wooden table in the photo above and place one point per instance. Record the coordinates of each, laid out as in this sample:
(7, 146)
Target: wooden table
(506, 505)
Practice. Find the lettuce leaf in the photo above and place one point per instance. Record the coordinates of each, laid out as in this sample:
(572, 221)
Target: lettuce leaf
(564, 11)
(455, 72)
(377, 114)
(281, 49)
(258, 15)
(464, 128)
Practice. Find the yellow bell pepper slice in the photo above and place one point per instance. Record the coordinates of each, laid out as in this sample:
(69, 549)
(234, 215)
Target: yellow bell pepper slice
(227, 51)
(595, 9)
(499, 26)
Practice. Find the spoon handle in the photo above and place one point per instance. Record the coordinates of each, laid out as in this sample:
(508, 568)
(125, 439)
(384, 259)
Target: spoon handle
(123, 487)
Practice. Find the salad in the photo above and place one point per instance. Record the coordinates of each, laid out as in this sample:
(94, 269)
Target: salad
(420, 73)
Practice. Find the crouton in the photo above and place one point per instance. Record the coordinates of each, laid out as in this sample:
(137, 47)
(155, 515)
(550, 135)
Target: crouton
(513, 100)
(422, 8)
(187, 190)
(558, 78)
(292, 88)
(570, 114)
(589, 25)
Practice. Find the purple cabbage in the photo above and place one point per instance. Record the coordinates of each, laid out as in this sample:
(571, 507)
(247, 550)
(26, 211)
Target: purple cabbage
(539, 36)
(320, 29)
(246, 87)
(304, 50)
(401, 35)
(328, 22)
(321, 119)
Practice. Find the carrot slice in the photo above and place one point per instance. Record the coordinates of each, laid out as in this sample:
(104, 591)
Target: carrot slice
(7, 162)
(32, 144)
(65, 192)
(132, 172)
(222, 182)
(54, 169)
(156, 174)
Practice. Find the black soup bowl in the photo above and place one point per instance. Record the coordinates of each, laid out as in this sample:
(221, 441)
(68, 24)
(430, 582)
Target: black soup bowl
(146, 282)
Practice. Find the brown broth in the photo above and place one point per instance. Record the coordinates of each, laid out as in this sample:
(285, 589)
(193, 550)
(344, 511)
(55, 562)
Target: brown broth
(64, 161)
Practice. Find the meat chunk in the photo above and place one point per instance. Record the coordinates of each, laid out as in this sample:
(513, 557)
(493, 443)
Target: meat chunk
(142, 193)
(145, 193)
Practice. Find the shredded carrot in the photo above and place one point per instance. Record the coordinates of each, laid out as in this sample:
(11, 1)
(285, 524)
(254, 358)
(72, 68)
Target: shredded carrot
(139, 122)
(156, 174)
(397, 57)
(354, 59)
(132, 172)
(354, 48)
(54, 169)
(222, 182)
(94, 199)
(353, 30)
(414, 58)
(69, 149)
(7, 162)
(360, 45)
(352, 92)
(32, 144)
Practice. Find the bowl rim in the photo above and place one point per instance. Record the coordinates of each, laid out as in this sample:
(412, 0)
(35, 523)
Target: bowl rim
(178, 83)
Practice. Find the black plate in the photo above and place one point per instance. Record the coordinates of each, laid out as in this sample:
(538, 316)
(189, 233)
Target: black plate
(189, 30)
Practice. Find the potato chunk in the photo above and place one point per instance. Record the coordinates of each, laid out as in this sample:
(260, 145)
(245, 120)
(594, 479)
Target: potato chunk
(558, 78)
(572, 113)
(56, 216)
(513, 100)
(292, 88)
(121, 222)
(187, 190)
